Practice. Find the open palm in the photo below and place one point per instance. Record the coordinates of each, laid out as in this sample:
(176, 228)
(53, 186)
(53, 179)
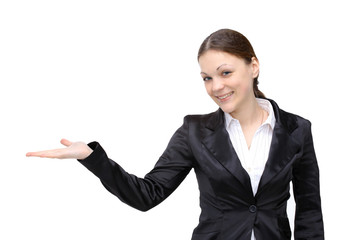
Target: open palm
(76, 150)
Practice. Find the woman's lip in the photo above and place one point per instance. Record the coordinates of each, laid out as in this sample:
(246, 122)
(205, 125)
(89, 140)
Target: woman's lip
(225, 97)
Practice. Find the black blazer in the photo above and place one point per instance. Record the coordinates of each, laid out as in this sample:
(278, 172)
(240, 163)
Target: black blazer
(229, 209)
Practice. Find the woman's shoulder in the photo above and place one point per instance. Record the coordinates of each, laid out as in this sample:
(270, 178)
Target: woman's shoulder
(202, 116)
(212, 117)
(290, 119)
(297, 117)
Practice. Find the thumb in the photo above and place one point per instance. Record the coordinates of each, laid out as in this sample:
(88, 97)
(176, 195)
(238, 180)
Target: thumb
(65, 142)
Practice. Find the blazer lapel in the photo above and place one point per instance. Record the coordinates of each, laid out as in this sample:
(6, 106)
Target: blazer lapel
(282, 149)
(217, 141)
(283, 145)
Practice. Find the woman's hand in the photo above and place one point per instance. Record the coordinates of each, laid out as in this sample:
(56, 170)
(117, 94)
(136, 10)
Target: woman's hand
(77, 150)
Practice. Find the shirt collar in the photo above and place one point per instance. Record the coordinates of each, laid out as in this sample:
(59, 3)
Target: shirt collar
(264, 104)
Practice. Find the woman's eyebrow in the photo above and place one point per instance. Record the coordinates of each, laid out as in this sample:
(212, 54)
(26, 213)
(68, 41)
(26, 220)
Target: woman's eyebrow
(217, 68)
(221, 66)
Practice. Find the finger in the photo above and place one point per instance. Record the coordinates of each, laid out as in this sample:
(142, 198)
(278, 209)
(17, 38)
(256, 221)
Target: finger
(65, 142)
(29, 154)
(34, 154)
(37, 154)
(55, 153)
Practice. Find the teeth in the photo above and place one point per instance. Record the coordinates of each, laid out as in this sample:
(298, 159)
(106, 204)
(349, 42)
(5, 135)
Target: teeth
(225, 96)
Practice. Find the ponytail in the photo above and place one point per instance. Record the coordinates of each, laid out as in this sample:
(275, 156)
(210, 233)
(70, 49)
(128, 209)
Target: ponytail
(257, 92)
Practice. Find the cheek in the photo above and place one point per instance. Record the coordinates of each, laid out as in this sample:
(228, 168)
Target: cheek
(247, 84)
(245, 87)
(248, 88)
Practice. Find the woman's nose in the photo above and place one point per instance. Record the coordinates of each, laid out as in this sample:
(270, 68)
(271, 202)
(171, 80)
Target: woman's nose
(217, 84)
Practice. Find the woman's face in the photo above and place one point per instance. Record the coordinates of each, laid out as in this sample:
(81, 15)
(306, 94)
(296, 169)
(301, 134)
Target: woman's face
(228, 79)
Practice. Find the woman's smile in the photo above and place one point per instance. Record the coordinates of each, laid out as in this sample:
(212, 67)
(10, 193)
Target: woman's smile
(224, 97)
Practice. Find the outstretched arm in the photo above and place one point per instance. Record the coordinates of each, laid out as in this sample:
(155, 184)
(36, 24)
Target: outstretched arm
(140, 193)
(144, 193)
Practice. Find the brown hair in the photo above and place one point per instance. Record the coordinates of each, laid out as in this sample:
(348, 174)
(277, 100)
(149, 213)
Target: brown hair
(235, 43)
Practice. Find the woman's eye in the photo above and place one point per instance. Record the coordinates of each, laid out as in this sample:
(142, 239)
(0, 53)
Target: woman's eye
(207, 78)
(226, 73)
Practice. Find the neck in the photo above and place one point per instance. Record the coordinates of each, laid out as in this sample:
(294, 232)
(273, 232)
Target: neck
(248, 112)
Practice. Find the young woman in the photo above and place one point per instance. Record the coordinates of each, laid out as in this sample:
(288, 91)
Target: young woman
(244, 155)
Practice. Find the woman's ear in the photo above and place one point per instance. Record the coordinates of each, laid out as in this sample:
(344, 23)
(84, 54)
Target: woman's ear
(255, 67)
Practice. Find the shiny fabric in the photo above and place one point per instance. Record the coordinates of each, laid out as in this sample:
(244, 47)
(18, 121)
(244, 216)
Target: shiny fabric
(229, 209)
(252, 159)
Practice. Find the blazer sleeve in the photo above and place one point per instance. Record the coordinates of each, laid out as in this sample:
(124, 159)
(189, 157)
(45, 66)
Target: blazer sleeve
(306, 187)
(144, 193)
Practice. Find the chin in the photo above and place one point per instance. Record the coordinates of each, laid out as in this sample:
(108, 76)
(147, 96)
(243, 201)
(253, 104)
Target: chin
(227, 109)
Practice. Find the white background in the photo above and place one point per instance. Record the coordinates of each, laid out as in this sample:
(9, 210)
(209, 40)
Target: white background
(125, 74)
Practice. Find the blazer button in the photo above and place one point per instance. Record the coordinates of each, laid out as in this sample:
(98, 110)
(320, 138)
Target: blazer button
(252, 208)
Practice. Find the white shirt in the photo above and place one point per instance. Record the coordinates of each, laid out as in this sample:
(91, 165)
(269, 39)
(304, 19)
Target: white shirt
(254, 159)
